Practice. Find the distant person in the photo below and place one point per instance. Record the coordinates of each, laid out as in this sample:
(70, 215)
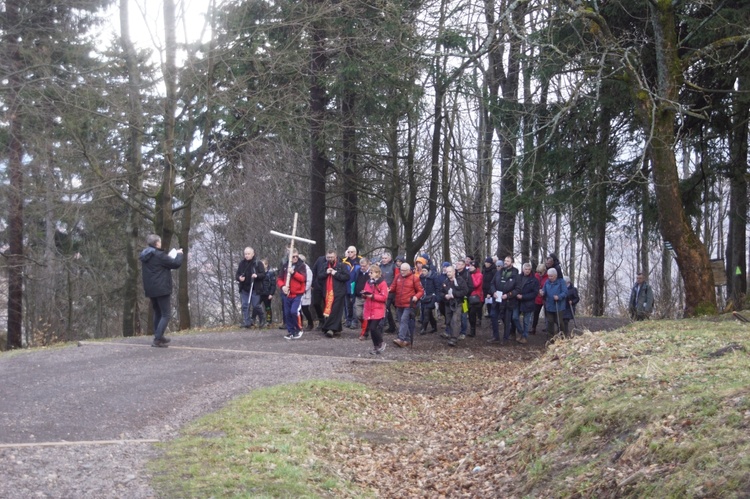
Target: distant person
(429, 300)
(267, 290)
(362, 276)
(555, 294)
(333, 281)
(475, 298)
(641, 299)
(388, 269)
(250, 273)
(307, 297)
(573, 299)
(156, 271)
(291, 295)
(541, 276)
(375, 294)
(407, 290)
(526, 289)
(352, 262)
(453, 291)
(554, 263)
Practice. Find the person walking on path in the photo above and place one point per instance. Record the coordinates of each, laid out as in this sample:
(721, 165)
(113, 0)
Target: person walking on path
(388, 269)
(375, 294)
(429, 300)
(407, 290)
(250, 275)
(541, 277)
(156, 271)
(641, 302)
(333, 281)
(291, 295)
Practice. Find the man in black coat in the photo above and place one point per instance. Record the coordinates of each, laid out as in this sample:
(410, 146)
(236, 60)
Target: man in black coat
(334, 282)
(250, 275)
(156, 268)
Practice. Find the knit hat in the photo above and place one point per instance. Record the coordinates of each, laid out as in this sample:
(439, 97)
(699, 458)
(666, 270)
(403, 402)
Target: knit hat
(489, 260)
(421, 260)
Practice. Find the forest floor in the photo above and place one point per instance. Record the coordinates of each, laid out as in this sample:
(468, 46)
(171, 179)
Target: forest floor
(82, 421)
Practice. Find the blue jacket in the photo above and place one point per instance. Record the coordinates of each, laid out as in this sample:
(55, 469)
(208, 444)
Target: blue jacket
(550, 290)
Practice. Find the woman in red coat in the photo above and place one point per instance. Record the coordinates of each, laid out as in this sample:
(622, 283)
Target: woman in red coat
(541, 276)
(375, 295)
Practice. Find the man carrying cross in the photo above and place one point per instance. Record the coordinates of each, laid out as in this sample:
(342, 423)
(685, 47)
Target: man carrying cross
(292, 290)
(292, 284)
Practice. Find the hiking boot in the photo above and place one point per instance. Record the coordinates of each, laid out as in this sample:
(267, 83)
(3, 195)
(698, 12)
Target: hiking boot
(328, 333)
(159, 344)
(472, 333)
(521, 340)
(381, 348)
(164, 339)
(461, 336)
(452, 342)
(444, 335)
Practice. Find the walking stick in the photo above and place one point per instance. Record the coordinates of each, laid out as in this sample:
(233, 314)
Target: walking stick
(557, 316)
(573, 314)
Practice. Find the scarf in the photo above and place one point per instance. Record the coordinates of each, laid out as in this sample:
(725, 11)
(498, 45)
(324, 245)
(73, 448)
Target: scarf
(329, 292)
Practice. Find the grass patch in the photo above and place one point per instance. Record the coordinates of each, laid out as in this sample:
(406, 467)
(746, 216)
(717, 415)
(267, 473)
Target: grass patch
(263, 445)
(658, 409)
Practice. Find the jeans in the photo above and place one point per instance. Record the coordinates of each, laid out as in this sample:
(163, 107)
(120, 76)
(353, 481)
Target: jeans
(162, 313)
(291, 306)
(250, 308)
(405, 317)
(528, 317)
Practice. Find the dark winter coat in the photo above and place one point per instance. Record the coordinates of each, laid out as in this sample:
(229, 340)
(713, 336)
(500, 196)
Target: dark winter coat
(504, 282)
(430, 286)
(156, 270)
(247, 268)
(488, 274)
(528, 288)
(572, 300)
(460, 291)
(340, 278)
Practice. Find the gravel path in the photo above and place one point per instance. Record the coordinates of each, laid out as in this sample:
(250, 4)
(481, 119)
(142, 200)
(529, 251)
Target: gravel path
(80, 422)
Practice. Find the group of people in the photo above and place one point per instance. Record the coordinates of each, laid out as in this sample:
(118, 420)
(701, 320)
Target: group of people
(353, 292)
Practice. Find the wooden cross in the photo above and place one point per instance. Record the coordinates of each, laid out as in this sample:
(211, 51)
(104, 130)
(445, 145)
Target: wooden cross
(292, 237)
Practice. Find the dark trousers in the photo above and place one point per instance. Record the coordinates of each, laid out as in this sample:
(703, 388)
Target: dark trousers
(162, 312)
(375, 330)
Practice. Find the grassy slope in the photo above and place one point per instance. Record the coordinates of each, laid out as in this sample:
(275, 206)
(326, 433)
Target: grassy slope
(660, 409)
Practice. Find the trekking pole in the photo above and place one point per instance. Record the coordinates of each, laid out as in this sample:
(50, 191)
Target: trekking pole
(557, 316)
(573, 315)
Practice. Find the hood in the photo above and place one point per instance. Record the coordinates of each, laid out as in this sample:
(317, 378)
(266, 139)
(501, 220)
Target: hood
(146, 254)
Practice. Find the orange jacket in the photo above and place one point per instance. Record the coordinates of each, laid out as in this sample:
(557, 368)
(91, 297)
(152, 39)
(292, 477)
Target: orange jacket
(405, 288)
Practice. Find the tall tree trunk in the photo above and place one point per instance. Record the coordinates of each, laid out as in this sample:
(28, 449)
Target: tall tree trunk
(349, 161)
(14, 253)
(736, 251)
(164, 224)
(692, 256)
(133, 157)
(183, 291)
(666, 299)
(318, 61)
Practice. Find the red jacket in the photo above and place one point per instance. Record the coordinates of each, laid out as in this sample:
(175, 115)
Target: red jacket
(475, 286)
(405, 288)
(375, 304)
(296, 283)
(542, 279)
